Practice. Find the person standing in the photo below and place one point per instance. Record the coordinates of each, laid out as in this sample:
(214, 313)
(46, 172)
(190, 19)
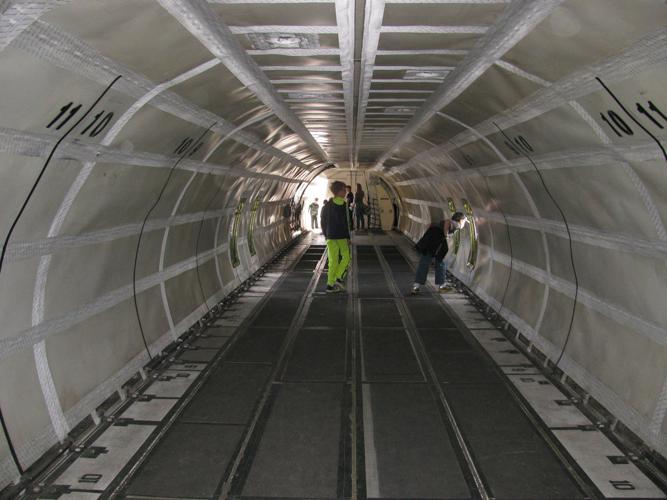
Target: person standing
(322, 215)
(359, 207)
(433, 247)
(350, 201)
(297, 215)
(314, 209)
(336, 229)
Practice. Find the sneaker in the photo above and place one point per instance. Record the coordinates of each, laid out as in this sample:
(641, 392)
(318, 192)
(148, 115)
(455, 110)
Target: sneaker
(340, 284)
(415, 289)
(332, 289)
(445, 289)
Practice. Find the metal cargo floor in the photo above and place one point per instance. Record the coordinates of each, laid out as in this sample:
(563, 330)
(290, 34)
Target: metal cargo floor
(369, 394)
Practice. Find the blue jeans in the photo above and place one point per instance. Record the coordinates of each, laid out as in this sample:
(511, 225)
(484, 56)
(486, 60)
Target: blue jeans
(422, 270)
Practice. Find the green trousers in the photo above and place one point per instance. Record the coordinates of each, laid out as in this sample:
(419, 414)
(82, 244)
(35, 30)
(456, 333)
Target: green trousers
(339, 258)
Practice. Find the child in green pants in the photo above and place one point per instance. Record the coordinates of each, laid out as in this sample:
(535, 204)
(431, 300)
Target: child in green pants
(336, 228)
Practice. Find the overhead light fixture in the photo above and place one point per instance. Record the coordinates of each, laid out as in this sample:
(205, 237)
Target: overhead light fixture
(426, 74)
(267, 41)
(310, 96)
(400, 110)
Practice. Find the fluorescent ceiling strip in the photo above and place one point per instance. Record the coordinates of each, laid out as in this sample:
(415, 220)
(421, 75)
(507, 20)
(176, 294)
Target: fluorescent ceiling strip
(314, 100)
(322, 91)
(203, 23)
(305, 80)
(411, 52)
(294, 52)
(306, 112)
(401, 91)
(472, 2)
(388, 116)
(519, 19)
(397, 100)
(239, 30)
(313, 68)
(402, 80)
(320, 121)
(418, 68)
(267, 1)
(436, 30)
(318, 106)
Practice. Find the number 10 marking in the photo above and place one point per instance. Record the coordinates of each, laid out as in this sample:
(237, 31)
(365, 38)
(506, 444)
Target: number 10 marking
(620, 126)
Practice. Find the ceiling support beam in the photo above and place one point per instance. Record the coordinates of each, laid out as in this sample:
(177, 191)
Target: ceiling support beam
(374, 13)
(519, 19)
(345, 21)
(200, 20)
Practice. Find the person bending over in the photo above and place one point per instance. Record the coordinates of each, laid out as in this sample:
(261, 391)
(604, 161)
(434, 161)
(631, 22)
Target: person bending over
(336, 229)
(433, 247)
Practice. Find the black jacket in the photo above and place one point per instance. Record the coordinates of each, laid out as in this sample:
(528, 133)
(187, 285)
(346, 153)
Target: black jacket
(334, 221)
(433, 242)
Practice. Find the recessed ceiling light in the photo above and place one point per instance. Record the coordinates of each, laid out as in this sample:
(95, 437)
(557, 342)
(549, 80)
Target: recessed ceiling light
(266, 41)
(426, 74)
(401, 110)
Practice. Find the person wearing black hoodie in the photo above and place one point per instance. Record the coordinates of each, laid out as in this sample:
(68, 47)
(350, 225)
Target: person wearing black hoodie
(336, 229)
(433, 247)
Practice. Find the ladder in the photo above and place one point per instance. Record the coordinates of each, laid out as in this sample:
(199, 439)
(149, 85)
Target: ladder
(374, 220)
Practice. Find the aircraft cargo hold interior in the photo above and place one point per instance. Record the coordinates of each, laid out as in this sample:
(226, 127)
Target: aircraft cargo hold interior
(333, 249)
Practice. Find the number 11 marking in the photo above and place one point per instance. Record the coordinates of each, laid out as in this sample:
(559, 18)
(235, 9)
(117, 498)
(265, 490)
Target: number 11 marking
(63, 110)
